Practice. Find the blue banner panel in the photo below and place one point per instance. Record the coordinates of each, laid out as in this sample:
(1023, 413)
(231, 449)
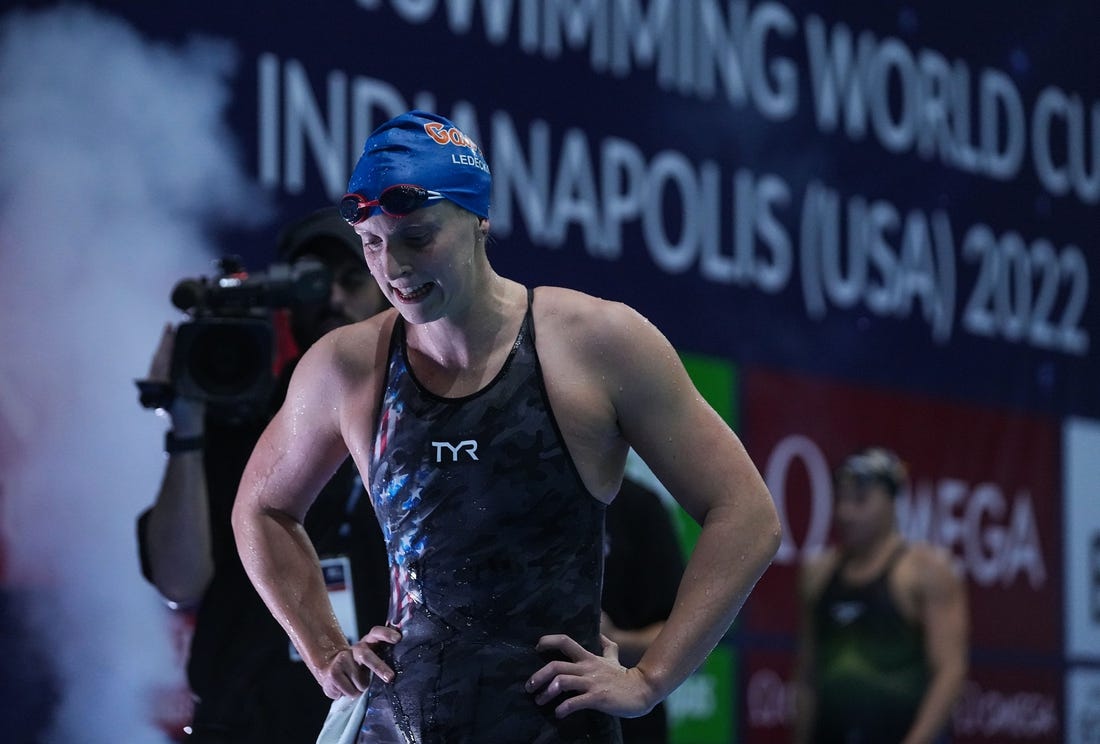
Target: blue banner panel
(892, 195)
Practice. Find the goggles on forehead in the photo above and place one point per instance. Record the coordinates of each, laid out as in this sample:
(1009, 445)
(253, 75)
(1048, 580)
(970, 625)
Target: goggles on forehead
(397, 201)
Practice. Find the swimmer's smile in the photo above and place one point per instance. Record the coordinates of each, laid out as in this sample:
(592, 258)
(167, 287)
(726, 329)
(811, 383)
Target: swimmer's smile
(413, 294)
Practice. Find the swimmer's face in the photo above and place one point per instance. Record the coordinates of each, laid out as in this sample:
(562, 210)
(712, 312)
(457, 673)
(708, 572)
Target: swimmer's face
(863, 511)
(427, 263)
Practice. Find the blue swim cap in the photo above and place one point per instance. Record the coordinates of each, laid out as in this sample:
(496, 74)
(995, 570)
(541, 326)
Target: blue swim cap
(428, 150)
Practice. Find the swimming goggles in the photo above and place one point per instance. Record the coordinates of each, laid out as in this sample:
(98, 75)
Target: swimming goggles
(398, 200)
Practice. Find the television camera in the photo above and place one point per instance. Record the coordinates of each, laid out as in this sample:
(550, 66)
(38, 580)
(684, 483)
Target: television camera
(224, 356)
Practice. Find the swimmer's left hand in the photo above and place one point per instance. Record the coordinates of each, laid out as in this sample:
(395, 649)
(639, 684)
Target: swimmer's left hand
(594, 682)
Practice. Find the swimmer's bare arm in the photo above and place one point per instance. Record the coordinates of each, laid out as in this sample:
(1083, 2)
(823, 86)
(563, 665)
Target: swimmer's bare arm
(296, 455)
(704, 466)
(943, 614)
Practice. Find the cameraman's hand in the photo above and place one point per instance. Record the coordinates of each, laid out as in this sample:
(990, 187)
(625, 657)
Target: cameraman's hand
(187, 413)
(160, 369)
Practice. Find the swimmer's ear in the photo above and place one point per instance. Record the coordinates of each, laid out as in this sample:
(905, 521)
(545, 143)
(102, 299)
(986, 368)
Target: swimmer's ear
(482, 234)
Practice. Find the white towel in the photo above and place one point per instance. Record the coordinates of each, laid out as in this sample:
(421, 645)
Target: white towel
(344, 719)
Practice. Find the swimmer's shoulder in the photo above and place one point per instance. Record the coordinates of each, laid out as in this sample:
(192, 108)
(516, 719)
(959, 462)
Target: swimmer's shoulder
(586, 318)
(355, 354)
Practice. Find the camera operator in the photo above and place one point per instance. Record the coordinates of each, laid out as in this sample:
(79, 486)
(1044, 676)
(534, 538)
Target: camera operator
(245, 677)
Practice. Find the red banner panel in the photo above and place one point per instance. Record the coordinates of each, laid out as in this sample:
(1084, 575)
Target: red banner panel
(999, 704)
(1009, 704)
(768, 698)
(985, 486)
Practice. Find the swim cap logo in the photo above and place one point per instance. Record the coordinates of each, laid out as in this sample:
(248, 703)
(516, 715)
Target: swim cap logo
(441, 134)
(454, 136)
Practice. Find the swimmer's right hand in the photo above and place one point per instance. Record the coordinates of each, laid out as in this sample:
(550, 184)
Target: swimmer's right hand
(348, 671)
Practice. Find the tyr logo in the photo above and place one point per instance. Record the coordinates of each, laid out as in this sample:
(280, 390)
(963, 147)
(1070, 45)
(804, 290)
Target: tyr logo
(469, 445)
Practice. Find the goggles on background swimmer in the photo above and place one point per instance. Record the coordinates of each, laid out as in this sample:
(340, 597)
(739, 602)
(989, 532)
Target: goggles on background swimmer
(398, 200)
(876, 464)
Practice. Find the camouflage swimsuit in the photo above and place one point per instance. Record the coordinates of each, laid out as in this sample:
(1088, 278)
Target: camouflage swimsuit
(493, 542)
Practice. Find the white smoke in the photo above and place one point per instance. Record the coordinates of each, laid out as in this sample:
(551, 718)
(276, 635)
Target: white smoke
(115, 162)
